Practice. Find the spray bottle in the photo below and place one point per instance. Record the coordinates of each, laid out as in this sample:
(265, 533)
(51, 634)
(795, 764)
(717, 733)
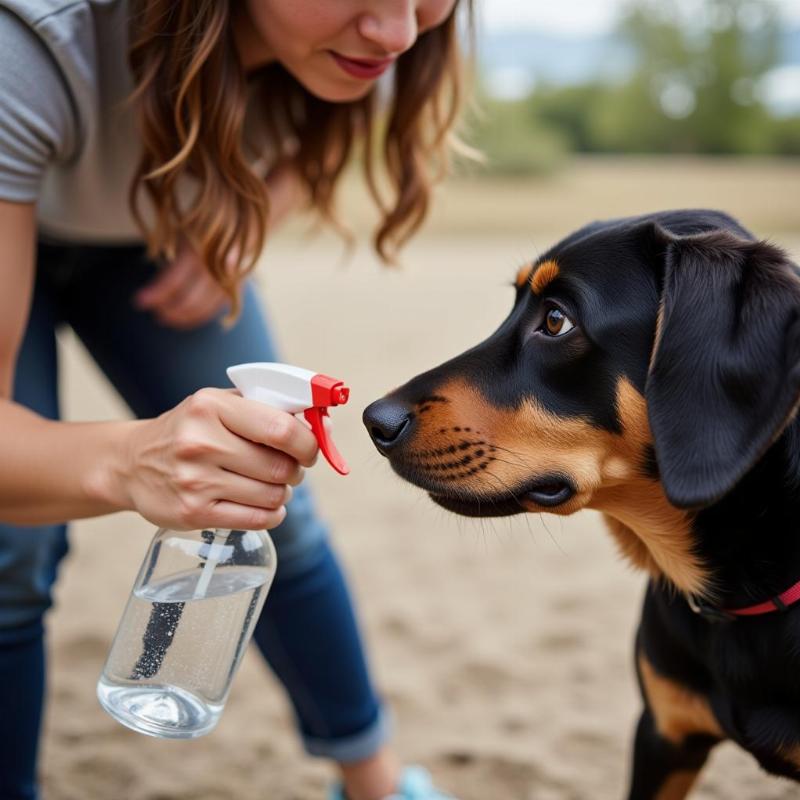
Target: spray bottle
(199, 593)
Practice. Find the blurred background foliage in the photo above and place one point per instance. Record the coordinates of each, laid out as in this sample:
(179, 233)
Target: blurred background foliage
(704, 77)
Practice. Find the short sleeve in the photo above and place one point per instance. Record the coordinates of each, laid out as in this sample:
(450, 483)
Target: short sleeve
(38, 123)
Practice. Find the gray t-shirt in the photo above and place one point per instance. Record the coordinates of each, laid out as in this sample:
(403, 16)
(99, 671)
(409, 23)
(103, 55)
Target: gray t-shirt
(67, 139)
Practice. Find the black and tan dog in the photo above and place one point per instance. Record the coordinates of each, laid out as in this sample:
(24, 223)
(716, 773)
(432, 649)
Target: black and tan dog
(650, 369)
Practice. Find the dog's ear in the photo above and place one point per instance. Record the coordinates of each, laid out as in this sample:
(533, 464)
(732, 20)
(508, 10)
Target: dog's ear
(724, 375)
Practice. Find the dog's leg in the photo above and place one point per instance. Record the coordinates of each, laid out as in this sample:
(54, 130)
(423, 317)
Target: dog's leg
(675, 735)
(665, 770)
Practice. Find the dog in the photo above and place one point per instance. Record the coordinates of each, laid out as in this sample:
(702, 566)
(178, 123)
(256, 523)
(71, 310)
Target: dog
(649, 369)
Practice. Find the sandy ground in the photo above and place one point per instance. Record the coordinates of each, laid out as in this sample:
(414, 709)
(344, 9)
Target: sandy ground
(503, 647)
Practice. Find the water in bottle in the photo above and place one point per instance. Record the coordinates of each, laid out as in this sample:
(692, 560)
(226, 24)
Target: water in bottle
(184, 630)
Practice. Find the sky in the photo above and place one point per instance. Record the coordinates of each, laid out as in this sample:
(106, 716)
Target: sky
(571, 16)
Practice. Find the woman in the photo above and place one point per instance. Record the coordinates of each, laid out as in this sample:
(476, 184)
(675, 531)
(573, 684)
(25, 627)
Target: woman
(223, 116)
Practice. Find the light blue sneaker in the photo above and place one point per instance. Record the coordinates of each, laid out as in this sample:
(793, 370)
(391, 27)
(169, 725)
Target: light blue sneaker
(415, 784)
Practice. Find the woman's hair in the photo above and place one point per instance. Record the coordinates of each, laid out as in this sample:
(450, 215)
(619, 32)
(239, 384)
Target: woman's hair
(191, 95)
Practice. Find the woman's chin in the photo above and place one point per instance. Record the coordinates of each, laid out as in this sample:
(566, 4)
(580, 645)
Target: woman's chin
(335, 90)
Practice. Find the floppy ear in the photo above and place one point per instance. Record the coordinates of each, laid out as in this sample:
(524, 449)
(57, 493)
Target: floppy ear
(724, 375)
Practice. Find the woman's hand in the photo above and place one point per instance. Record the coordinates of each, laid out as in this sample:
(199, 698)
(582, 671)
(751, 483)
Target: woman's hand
(183, 295)
(217, 460)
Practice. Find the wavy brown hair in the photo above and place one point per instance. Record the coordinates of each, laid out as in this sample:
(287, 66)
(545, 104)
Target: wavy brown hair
(192, 94)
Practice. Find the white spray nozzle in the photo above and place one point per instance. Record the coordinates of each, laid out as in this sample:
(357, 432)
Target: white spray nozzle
(295, 390)
(281, 386)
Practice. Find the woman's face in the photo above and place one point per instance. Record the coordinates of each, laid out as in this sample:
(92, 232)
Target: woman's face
(336, 49)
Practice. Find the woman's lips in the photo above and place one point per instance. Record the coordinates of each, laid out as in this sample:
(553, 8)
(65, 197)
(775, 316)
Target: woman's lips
(363, 68)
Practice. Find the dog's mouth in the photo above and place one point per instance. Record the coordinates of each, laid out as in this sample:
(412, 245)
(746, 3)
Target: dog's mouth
(547, 492)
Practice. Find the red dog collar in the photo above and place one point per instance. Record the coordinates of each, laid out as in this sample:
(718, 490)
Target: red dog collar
(779, 603)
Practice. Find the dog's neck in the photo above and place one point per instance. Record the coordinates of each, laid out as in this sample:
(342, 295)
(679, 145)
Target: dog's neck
(653, 534)
(740, 551)
(751, 538)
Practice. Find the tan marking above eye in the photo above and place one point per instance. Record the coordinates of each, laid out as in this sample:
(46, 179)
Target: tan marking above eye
(678, 712)
(523, 275)
(544, 275)
(605, 467)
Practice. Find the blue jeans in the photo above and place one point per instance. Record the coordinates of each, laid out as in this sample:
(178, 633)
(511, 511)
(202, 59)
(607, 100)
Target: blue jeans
(307, 632)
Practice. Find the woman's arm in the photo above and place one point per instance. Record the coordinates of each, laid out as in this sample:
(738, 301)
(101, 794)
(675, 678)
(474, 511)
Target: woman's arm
(215, 460)
(42, 464)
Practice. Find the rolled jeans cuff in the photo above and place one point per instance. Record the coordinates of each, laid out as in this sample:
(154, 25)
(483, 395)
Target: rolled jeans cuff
(356, 747)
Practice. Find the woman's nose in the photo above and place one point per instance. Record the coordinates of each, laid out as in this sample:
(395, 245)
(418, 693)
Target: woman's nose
(393, 28)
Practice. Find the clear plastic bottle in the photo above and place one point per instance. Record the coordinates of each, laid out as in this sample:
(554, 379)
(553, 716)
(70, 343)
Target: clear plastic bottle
(199, 594)
(187, 623)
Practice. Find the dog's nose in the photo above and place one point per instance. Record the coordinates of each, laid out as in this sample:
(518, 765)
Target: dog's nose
(388, 422)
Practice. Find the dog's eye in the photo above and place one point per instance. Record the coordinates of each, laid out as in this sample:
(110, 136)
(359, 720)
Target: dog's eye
(557, 323)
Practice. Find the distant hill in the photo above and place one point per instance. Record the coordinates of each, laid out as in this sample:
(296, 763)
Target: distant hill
(552, 58)
(568, 60)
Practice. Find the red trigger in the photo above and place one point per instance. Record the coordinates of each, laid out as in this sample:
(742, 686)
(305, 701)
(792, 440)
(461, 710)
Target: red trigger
(314, 417)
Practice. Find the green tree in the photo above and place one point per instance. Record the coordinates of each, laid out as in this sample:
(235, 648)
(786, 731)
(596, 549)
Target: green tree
(693, 88)
(698, 63)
